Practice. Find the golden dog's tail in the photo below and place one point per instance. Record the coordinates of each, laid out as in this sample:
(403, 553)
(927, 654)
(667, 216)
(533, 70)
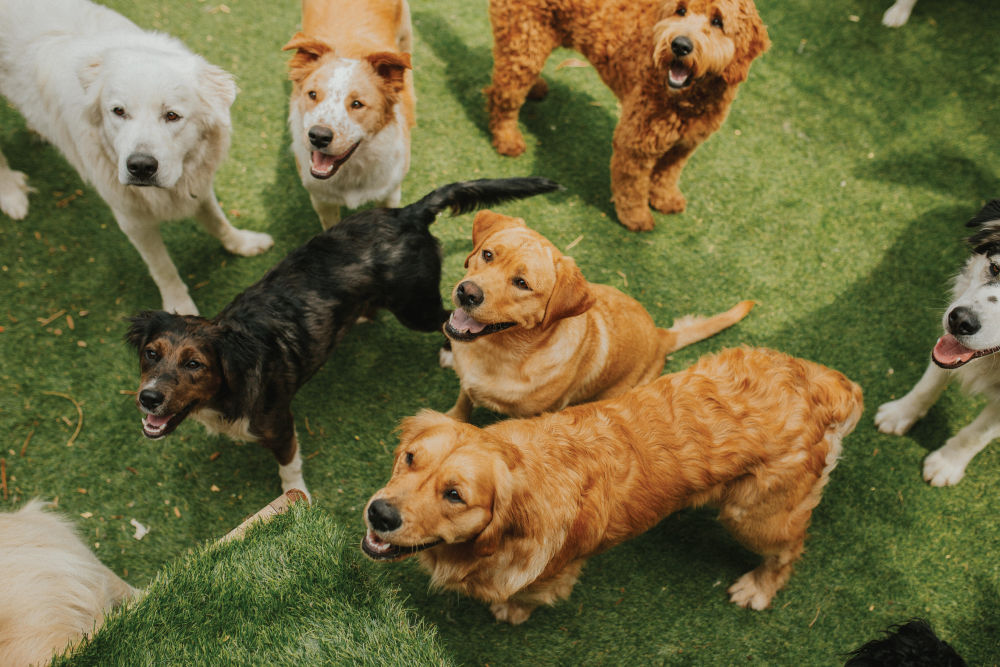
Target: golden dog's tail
(693, 328)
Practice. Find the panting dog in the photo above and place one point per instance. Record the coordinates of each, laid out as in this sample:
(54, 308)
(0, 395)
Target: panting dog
(55, 591)
(509, 513)
(531, 335)
(352, 103)
(674, 65)
(140, 117)
(237, 373)
(965, 351)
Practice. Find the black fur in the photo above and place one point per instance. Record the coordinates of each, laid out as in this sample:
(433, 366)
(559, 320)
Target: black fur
(275, 335)
(987, 239)
(911, 644)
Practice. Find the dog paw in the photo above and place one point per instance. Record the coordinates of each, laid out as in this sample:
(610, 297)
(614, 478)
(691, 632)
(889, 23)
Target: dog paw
(446, 358)
(514, 613)
(896, 15)
(747, 593)
(180, 303)
(895, 417)
(247, 243)
(14, 191)
(668, 202)
(943, 468)
(509, 142)
(636, 219)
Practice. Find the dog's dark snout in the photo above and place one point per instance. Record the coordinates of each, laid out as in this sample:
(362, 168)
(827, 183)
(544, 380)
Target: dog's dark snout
(468, 293)
(319, 136)
(383, 517)
(963, 322)
(150, 399)
(142, 165)
(681, 46)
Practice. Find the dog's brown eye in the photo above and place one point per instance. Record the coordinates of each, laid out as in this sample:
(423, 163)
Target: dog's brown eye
(172, 116)
(409, 458)
(357, 104)
(682, 10)
(311, 94)
(193, 365)
(118, 111)
(487, 256)
(717, 21)
(150, 354)
(520, 283)
(453, 496)
(994, 269)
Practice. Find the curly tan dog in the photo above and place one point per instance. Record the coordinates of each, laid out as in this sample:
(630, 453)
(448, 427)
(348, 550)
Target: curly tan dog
(531, 335)
(675, 66)
(509, 514)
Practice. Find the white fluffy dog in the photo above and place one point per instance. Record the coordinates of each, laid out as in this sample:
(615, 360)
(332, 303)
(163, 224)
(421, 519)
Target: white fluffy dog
(972, 336)
(54, 589)
(139, 116)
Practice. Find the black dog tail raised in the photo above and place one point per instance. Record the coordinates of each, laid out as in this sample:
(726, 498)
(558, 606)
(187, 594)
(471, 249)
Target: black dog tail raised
(467, 196)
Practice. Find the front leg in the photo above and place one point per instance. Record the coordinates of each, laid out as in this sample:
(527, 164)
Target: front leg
(516, 609)
(896, 417)
(632, 161)
(946, 466)
(664, 194)
(237, 241)
(462, 408)
(145, 236)
(283, 442)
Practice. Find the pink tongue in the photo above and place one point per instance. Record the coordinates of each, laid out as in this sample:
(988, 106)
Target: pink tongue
(679, 73)
(156, 422)
(322, 162)
(460, 321)
(949, 351)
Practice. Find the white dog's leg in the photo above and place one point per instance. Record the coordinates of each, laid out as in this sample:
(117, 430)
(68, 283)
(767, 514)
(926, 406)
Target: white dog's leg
(329, 214)
(896, 417)
(396, 196)
(898, 14)
(237, 241)
(946, 466)
(291, 474)
(14, 191)
(145, 236)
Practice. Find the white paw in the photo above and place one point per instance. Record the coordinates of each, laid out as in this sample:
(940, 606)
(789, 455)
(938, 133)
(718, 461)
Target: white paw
(446, 358)
(511, 612)
(943, 468)
(247, 243)
(896, 417)
(746, 593)
(897, 15)
(180, 302)
(299, 485)
(14, 194)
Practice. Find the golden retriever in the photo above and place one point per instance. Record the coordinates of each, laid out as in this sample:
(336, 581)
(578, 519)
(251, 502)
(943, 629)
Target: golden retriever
(509, 513)
(531, 335)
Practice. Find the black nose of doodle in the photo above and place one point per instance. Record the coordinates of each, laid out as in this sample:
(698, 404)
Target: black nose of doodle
(469, 294)
(681, 46)
(384, 517)
(150, 399)
(142, 165)
(963, 322)
(319, 136)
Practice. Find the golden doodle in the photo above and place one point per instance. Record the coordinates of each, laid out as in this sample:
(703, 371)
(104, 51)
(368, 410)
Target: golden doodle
(531, 335)
(674, 65)
(508, 514)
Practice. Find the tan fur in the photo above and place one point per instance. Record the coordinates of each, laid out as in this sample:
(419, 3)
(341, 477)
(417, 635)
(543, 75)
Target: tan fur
(574, 341)
(54, 589)
(751, 431)
(629, 44)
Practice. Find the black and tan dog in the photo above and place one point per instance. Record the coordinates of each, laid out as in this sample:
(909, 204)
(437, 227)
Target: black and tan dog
(237, 373)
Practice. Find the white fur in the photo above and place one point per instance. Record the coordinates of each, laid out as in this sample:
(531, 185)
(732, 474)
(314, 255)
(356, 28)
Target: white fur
(898, 14)
(101, 90)
(54, 590)
(975, 289)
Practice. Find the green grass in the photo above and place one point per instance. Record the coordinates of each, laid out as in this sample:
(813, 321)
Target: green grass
(834, 196)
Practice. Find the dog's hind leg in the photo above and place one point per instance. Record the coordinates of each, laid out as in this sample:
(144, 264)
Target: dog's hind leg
(237, 241)
(946, 466)
(14, 191)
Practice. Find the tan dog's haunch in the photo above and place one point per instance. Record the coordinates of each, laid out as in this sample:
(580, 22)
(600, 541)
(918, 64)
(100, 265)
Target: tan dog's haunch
(531, 335)
(674, 65)
(508, 514)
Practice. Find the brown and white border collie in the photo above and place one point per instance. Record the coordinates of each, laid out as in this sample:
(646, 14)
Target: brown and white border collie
(352, 103)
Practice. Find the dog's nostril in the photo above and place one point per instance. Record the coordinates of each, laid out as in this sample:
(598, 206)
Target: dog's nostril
(320, 136)
(963, 322)
(384, 517)
(681, 46)
(150, 399)
(141, 165)
(469, 294)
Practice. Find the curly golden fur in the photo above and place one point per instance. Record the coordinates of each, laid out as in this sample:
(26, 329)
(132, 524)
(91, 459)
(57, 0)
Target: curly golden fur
(508, 514)
(675, 65)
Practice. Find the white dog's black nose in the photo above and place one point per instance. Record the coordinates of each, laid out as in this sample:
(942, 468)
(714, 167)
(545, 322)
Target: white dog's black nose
(681, 46)
(963, 322)
(383, 517)
(150, 399)
(319, 136)
(142, 165)
(468, 293)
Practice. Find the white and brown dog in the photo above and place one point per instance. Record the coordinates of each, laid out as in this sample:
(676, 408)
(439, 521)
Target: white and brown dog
(352, 103)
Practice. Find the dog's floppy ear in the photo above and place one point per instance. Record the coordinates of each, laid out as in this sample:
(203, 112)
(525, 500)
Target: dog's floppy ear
(485, 224)
(390, 67)
(571, 293)
(988, 220)
(308, 50)
(237, 356)
(413, 427)
(146, 325)
(751, 41)
(488, 541)
(88, 75)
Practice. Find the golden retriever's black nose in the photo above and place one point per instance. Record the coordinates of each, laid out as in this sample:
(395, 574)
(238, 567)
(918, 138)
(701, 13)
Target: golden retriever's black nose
(142, 165)
(468, 294)
(963, 322)
(150, 399)
(383, 517)
(319, 136)
(681, 46)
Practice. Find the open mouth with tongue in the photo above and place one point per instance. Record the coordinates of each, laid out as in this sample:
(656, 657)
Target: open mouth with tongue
(378, 549)
(679, 75)
(324, 166)
(155, 427)
(949, 353)
(462, 326)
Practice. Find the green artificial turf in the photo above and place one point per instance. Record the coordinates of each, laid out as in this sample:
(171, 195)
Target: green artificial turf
(834, 195)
